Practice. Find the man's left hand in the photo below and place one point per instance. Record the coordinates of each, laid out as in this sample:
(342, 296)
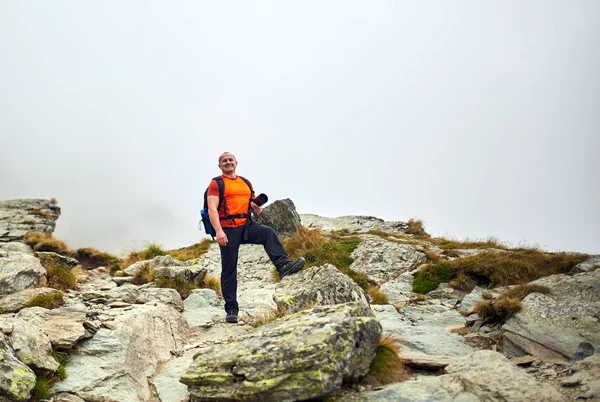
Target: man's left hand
(257, 210)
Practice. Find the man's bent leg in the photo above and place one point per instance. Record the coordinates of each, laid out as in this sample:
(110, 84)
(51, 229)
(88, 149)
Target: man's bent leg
(229, 260)
(265, 235)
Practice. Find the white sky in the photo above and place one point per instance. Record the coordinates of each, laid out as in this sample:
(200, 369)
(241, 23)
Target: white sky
(480, 118)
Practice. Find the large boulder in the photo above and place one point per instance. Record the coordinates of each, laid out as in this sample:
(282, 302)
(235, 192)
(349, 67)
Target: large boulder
(19, 272)
(49, 260)
(32, 346)
(482, 376)
(64, 327)
(552, 326)
(300, 356)
(16, 379)
(116, 364)
(19, 217)
(317, 286)
(281, 216)
(383, 260)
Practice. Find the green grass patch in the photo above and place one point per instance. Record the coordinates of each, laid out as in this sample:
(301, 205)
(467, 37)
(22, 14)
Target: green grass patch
(49, 301)
(430, 278)
(496, 269)
(153, 250)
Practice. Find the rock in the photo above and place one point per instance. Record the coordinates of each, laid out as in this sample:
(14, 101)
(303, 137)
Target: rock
(16, 301)
(166, 382)
(443, 291)
(469, 301)
(384, 260)
(32, 346)
(317, 286)
(586, 374)
(481, 376)
(16, 379)
(585, 349)
(300, 356)
(64, 397)
(49, 259)
(399, 291)
(19, 272)
(552, 326)
(427, 362)
(169, 297)
(120, 280)
(359, 224)
(19, 217)
(115, 364)
(202, 308)
(281, 216)
(590, 263)
(15, 247)
(424, 329)
(253, 263)
(64, 326)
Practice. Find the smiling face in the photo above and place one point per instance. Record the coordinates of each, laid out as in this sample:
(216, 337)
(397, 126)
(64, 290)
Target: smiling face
(227, 163)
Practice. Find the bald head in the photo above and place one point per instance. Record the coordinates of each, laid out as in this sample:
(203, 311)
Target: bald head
(226, 154)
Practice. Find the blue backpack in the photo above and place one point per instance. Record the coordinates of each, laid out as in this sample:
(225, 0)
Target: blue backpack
(208, 227)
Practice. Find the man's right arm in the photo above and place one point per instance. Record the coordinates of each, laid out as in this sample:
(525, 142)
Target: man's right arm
(213, 214)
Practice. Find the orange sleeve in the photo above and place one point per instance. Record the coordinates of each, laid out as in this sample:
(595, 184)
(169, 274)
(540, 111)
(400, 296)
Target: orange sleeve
(213, 188)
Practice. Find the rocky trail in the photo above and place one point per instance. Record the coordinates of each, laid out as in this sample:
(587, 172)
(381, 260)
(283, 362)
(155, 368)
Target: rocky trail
(126, 342)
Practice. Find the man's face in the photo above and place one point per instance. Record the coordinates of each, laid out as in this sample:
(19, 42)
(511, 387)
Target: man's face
(227, 163)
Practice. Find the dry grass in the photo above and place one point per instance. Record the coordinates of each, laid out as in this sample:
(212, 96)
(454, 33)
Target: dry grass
(415, 227)
(53, 201)
(60, 278)
(377, 296)
(49, 301)
(91, 258)
(191, 252)
(507, 303)
(304, 241)
(270, 314)
(213, 282)
(41, 213)
(453, 244)
(144, 274)
(461, 282)
(41, 241)
(461, 330)
(182, 287)
(487, 295)
(387, 367)
(497, 268)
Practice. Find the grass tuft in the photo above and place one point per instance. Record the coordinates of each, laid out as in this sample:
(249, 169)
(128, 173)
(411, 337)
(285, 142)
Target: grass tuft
(415, 227)
(429, 279)
(143, 275)
(268, 315)
(153, 250)
(387, 366)
(507, 303)
(213, 282)
(60, 278)
(191, 252)
(49, 301)
(377, 296)
(182, 287)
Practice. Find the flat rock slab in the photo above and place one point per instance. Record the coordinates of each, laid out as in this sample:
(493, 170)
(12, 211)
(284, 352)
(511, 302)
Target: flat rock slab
(300, 356)
(552, 326)
(424, 329)
(482, 376)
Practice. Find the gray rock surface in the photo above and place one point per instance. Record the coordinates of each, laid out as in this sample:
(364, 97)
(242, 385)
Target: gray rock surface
(424, 329)
(16, 379)
(16, 301)
(300, 356)
(317, 286)
(383, 260)
(115, 364)
(19, 217)
(165, 296)
(399, 291)
(32, 346)
(49, 259)
(590, 263)
(354, 223)
(15, 247)
(552, 326)
(64, 326)
(281, 215)
(19, 272)
(482, 376)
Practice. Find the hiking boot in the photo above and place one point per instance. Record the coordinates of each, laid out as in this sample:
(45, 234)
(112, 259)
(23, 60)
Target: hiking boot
(291, 267)
(232, 317)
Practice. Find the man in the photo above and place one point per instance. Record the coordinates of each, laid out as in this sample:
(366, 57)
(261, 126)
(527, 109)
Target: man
(230, 220)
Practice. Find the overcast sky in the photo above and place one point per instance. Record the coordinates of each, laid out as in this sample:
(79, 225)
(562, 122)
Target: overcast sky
(482, 118)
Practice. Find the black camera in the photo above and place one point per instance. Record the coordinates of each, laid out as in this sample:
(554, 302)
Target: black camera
(261, 200)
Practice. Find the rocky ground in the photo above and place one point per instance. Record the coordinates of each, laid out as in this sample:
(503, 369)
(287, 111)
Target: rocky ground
(143, 343)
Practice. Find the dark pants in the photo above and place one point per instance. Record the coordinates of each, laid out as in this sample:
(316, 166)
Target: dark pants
(257, 234)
